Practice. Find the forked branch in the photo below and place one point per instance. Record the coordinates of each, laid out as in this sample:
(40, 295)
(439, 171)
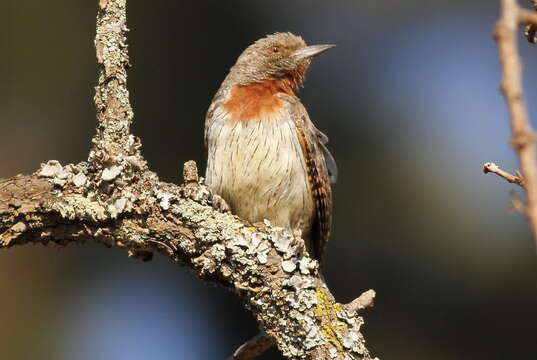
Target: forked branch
(115, 200)
(523, 139)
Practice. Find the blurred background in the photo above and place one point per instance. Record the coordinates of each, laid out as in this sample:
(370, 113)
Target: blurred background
(409, 99)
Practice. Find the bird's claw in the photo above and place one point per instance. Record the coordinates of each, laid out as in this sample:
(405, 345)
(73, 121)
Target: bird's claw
(220, 204)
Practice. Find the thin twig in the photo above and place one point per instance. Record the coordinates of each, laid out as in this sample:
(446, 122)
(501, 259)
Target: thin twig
(530, 19)
(364, 301)
(527, 17)
(254, 347)
(491, 167)
(511, 86)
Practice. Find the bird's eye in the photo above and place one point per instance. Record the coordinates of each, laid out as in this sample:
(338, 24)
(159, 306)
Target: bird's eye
(275, 49)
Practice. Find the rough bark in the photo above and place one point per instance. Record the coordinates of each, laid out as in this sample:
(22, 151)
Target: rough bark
(114, 199)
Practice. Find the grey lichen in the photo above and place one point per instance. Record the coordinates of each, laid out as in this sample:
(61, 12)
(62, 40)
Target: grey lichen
(79, 207)
(116, 200)
(61, 175)
(288, 266)
(112, 172)
(307, 265)
(79, 179)
(165, 199)
(117, 207)
(50, 169)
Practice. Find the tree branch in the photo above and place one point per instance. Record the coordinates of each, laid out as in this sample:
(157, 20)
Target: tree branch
(530, 19)
(491, 167)
(115, 200)
(523, 140)
(253, 348)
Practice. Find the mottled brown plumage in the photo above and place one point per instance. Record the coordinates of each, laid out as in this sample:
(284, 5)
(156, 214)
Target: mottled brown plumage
(265, 156)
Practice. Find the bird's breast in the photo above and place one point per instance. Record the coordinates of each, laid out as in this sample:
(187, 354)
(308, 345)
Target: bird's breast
(258, 101)
(256, 164)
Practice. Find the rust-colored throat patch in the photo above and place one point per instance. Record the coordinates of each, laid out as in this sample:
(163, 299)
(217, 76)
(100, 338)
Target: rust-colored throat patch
(257, 101)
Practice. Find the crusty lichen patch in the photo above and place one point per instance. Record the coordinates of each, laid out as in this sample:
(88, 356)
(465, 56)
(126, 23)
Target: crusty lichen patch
(114, 199)
(79, 207)
(326, 313)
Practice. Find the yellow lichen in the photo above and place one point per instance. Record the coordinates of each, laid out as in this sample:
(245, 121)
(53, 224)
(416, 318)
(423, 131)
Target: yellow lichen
(326, 313)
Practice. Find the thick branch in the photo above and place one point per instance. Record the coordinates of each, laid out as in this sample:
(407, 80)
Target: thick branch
(114, 113)
(266, 266)
(115, 200)
(511, 86)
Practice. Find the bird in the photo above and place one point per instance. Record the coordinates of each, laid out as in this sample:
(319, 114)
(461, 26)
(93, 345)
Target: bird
(266, 158)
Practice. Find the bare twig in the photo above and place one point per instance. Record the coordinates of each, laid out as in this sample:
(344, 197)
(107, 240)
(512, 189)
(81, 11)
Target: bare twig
(253, 348)
(529, 18)
(364, 301)
(115, 200)
(491, 167)
(511, 86)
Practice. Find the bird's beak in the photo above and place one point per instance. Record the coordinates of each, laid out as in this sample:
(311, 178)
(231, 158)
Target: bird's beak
(311, 51)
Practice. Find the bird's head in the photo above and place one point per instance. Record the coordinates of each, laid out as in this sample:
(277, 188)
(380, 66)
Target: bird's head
(276, 56)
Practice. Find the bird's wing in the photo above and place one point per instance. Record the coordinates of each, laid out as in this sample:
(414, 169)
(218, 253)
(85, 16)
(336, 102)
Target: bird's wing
(217, 102)
(321, 169)
(328, 158)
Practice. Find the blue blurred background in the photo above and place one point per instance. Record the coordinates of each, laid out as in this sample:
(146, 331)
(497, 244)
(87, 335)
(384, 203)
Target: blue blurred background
(409, 99)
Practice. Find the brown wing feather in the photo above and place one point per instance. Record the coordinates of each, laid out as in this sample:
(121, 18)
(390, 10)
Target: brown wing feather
(314, 150)
(217, 101)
